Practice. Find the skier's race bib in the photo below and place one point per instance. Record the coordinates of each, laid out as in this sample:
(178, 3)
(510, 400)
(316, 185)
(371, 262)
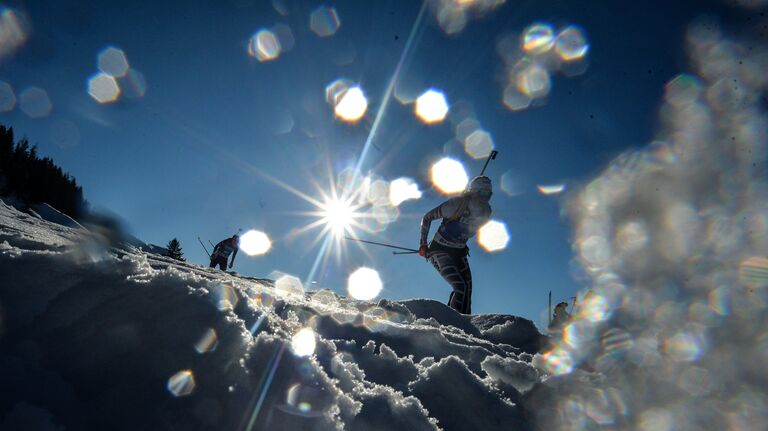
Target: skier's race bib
(225, 250)
(461, 220)
(456, 233)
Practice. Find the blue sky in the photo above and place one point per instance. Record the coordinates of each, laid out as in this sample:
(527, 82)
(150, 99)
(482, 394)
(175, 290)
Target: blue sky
(184, 160)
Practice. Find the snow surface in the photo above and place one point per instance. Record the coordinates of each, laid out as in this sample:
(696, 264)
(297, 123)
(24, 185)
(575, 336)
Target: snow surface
(47, 212)
(92, 335)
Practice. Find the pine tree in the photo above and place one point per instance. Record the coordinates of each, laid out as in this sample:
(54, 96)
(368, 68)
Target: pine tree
(174, 250)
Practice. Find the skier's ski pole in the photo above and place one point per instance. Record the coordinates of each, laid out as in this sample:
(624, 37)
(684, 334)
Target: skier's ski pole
(404, 252)
(491, 156)
(206, 250)
(209, 242)
(382, 244)
(549, 308)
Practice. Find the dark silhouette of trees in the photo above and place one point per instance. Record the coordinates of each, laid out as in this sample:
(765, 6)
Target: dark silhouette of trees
(35, 180)
(174, 250)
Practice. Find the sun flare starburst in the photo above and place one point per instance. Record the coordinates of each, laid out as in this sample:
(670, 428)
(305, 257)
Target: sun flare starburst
(349, 205)
(338, 215)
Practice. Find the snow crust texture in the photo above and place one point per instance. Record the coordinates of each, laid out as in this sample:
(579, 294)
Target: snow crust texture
(100, 337)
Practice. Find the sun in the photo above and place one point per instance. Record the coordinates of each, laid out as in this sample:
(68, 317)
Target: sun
(339, 211)
(338, 215)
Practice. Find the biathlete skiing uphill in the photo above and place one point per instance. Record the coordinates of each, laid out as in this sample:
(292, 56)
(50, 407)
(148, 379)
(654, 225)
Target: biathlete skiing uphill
(222, 250)
(462, 217)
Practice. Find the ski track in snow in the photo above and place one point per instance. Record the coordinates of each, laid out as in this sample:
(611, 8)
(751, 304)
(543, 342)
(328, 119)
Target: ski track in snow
(90, 335)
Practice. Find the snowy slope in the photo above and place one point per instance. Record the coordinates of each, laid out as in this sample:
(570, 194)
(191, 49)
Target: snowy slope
(47, 212)
(93, 337)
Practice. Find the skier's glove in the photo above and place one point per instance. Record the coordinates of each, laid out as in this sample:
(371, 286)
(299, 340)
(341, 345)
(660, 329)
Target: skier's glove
(423, 250)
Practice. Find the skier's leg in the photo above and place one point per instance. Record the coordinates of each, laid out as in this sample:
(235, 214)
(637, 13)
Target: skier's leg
(466, 274)
(221, 263)
(451, 272)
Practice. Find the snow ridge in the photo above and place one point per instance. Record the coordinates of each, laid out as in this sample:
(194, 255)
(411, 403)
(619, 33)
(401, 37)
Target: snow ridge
(94, 336)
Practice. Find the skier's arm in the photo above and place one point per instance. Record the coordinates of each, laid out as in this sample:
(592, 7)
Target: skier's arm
(426, 222)
(448, 207)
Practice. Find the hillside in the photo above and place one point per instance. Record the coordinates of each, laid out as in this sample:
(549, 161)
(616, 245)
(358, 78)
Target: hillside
(102, 337)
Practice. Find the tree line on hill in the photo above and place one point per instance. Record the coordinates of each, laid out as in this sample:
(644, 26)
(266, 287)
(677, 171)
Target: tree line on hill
(33, 179)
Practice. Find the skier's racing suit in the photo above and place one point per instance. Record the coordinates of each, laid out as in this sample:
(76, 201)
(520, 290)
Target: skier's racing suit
(462, 217)
(221, 253)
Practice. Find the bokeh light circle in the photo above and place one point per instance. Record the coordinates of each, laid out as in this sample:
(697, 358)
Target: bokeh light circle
(103, 88)
(303, 342)
(324, 21)
(7, 97)
(254, 243)
(452, 17)
(280, 7)
(511, 184)
(385, 214)
(264, 46)
(14, 30)
(34, 102)
(298, 397)
(377, 192)
(466, 127)
(224, 296)
(182, 383)
(112, 61)
(364, 284)
(431, 106)
(352, 105)
(552, 189)
(558, 362)
(514, 100)
(493, 236)
(449, 176)
(478, 144)
(534, 81)
(207, 342)
(538, 39)
(571, 44)
(289, 286)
